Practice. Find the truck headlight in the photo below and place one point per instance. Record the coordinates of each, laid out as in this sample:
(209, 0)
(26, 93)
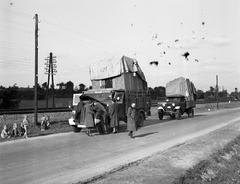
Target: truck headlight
(73, 112)
(173, 104)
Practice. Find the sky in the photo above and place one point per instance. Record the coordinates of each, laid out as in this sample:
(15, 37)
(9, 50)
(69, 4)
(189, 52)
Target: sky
(80, 32)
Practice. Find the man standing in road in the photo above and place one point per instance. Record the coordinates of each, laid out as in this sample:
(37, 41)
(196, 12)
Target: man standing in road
(131, 119)
(113, 114)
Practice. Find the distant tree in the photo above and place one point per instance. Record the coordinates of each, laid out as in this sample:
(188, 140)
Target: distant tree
(199, 94)
(69, 89)
(235, 95)
(41, 93)
(223, 95)
(44, 85)
(82, 87)
(61, 85)
(210, 95)
(159, 91)
(9, 97)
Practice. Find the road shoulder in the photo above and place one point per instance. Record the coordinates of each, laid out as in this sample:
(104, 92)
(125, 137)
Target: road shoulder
(165, 167)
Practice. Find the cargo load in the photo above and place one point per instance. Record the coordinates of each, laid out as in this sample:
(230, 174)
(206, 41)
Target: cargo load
(117, 73)
(181, 87)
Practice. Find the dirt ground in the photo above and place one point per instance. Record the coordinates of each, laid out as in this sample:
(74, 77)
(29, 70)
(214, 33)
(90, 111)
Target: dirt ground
(186, 163)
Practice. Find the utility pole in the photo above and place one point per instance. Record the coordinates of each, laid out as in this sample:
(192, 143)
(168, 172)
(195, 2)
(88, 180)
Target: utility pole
(51, 60)
(50, 67)
(217, 91)
(36, 71)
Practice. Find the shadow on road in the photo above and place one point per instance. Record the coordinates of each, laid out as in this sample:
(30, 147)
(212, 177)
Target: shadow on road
(144, 135)
(168, 119)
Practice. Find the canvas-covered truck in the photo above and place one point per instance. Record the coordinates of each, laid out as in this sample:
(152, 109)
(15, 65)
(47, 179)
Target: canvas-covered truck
(119, 78)
(180, 99)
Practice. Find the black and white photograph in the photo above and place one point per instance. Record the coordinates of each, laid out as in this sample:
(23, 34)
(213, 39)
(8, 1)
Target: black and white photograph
(119, 91)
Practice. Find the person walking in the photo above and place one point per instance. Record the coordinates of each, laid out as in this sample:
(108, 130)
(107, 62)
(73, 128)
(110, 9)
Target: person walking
(131, 120)
(89, 118)
(113, 114)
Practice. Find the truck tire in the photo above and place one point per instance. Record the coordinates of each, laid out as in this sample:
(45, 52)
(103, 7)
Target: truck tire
(178, 114)
(100, 128)
(76, 129)
(160, 115)
(140, 120)
(192, 113)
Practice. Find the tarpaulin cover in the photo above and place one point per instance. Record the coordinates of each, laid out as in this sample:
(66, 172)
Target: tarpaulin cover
(180, 87)
(114, 66)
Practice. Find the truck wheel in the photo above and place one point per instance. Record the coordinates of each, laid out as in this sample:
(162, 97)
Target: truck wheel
(160, 115)
(76, 129)
(100, 128)
(179, 114)
(140, 120)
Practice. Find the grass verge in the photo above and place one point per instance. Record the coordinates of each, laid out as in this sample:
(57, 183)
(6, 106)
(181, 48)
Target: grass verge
(221, 167)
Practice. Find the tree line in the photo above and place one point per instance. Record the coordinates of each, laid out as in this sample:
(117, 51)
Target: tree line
(11, 97)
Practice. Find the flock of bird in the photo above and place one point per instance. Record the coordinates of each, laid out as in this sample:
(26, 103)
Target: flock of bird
(184, 54)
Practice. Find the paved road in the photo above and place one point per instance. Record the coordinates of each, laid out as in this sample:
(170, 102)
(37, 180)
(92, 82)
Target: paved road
(71, 157)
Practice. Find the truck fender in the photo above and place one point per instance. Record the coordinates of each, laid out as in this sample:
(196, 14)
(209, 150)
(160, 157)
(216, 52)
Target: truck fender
(161, 108)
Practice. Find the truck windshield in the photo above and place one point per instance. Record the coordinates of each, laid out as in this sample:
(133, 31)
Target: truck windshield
(102, 97)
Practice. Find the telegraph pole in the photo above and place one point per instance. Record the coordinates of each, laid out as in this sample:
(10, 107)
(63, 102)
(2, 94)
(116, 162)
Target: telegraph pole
(217, 90)
(50, 67)
(36, 71)
(51, 60)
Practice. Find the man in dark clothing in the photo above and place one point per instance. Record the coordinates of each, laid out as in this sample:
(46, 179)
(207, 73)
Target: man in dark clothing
(113, 114)
(100, 115)
(79, 109)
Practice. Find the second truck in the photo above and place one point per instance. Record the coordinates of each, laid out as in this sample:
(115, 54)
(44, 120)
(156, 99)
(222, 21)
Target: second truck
(180, 99)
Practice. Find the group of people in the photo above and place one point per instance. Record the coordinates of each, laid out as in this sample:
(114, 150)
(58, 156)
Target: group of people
(15, 131)
(96, 115)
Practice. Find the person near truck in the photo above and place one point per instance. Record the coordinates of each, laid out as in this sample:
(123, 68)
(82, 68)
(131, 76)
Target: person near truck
(100, 116)
(113, 114)
(79, 109)
(89, 118)
(131, 120)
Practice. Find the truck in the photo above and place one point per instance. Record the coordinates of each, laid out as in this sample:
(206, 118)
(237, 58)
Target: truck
(180, 99)
(119, 78)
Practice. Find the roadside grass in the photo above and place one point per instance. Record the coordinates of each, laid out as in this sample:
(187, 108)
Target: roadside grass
(59, 124)
(221, 167)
